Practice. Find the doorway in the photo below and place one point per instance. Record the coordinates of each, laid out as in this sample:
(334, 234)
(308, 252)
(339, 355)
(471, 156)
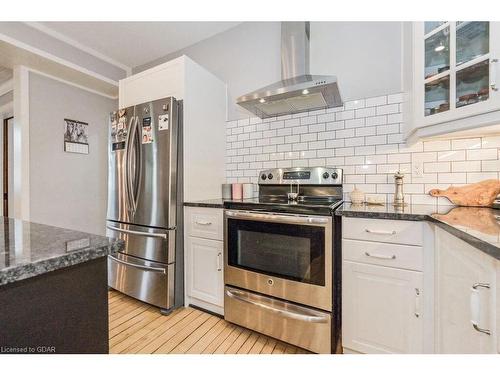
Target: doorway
(6, 135)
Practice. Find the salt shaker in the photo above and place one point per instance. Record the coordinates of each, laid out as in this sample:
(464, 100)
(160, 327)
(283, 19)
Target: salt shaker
(399, 198)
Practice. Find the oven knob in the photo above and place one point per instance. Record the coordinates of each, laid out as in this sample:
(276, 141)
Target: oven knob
(270, 176)
(335, 175)
(270, 281)
(326, 175)
(263, 177)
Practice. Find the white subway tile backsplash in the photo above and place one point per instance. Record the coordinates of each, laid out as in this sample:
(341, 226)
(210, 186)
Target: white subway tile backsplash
(480, 176)
(376, 140)
(451, 155)
(488, 142)
(470, 143)
(378, 100)
(365, 112)
(482, 154)
(387, 109)
(467, 166)
(451, 178)
(335, 125)
(353, 104)
(346, 133)
(354, 123)
(344, 115)
(490, 165)
(326, 117)
(437, 145)
(437, 167)
(358, 141)
(362, 132)
(377, 120)
(365, 139)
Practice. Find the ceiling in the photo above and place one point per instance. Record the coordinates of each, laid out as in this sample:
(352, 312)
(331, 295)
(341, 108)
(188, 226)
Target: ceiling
(136, 43)
(5, 74)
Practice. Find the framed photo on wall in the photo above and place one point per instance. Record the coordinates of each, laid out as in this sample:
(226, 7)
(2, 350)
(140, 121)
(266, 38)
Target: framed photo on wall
(76, 136)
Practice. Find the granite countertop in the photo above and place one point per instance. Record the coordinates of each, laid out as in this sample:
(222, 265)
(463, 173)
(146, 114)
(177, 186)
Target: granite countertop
(209, 203)
(30, 249)
(477, 226)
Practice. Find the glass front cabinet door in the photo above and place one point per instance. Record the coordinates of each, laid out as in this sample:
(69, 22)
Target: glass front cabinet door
(456, 70)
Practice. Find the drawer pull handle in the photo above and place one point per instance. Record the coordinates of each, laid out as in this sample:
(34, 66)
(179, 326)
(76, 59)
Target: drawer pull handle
(380, 256)
(289, 312)
(475, 307)
(219, 262)
(137, 233)
(203, 222)
(417, 302)
(139, 266)
(380, 231)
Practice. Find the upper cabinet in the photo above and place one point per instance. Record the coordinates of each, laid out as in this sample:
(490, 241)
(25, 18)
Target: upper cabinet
(454, 77)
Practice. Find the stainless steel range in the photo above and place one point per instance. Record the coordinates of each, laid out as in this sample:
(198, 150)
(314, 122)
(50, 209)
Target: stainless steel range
(282, 258)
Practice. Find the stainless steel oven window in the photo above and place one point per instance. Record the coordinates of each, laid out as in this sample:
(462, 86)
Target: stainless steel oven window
(289, 251)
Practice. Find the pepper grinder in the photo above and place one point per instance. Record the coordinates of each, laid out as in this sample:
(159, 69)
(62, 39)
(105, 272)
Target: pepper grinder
(399, 198)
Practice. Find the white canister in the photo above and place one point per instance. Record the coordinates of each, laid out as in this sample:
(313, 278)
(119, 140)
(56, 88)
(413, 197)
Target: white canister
(247, 191)
(226, 191)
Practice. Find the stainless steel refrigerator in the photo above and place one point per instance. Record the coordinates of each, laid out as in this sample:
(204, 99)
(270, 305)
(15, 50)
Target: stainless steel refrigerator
(145, 202)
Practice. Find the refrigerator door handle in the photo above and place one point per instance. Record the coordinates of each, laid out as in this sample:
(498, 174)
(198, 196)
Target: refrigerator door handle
(127, 164)
(129, 178)
(145, 234)
(138, 164)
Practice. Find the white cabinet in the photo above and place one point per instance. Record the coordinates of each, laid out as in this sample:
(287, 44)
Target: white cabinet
(381, 309)
(386, 297)
(205, 281)
(204, 251)
(466, 294)
(203, 122)
(454, 77)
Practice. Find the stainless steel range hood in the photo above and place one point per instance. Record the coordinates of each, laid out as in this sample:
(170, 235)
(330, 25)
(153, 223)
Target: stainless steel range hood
(298, 91)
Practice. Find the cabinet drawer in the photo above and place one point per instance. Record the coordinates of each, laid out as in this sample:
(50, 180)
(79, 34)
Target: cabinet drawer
(392, 231)
(204, 222)
(384, 254)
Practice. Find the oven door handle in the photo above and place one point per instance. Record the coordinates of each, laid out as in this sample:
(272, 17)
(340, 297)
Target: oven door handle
(241, 296)
(279, 218)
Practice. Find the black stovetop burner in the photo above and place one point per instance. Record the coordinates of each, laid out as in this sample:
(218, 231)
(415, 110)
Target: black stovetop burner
(306, 206)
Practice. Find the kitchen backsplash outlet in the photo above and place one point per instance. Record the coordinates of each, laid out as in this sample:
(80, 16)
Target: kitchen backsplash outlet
(364, 137)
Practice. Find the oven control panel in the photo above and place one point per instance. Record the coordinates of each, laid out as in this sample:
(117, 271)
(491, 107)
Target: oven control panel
(302, 175)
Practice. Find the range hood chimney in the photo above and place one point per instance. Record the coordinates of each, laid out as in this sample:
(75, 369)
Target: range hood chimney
(298, 91)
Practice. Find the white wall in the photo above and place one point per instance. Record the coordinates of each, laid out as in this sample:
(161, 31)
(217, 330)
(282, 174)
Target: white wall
(67, 190)
(365, 56)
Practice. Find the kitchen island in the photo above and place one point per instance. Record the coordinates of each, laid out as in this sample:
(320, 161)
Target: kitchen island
(53, 289)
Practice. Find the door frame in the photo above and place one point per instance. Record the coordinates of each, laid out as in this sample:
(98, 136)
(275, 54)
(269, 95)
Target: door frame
(5, 166)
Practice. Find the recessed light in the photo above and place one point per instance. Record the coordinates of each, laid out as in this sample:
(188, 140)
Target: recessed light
(305, 91)
(262, 100)
(439, 48)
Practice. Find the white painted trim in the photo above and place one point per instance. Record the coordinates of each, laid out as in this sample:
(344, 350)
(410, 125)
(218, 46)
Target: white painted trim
(7, 87)
(56, 59)
(69, 83)
(74, 43)
(21, 145)
(6, 110)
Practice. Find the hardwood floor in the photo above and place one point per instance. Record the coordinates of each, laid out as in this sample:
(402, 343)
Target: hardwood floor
(135, 327)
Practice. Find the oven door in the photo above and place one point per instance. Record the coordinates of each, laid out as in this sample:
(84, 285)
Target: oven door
(280, 255)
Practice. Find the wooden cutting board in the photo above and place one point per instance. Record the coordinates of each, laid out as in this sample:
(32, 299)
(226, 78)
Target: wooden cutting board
(480, 194)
